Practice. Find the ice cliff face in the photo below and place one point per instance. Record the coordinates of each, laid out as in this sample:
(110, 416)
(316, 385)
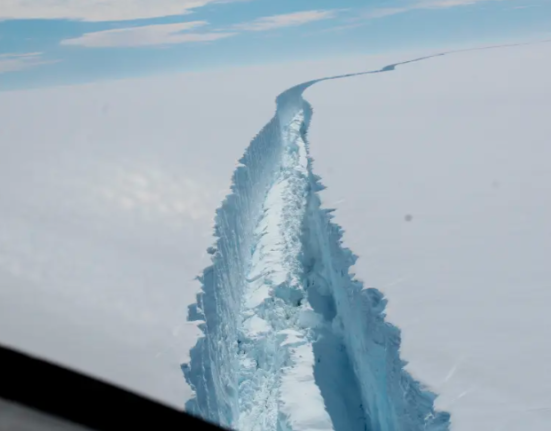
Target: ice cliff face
(291, 340)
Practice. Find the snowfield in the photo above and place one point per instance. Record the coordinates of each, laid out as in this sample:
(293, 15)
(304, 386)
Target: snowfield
(385, 240)
(107, 197)
(461, 147)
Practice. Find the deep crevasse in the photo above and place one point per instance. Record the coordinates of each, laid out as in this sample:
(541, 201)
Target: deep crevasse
(291, 340)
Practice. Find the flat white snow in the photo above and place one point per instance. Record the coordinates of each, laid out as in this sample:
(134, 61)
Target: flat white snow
(440, 173)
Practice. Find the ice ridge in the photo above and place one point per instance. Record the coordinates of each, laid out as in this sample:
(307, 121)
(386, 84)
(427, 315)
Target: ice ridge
(291, 340)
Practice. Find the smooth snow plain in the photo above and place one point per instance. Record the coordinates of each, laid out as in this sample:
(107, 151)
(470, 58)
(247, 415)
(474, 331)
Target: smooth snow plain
(440, 175)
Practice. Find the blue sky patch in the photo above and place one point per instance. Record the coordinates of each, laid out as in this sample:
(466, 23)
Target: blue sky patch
(53, 42)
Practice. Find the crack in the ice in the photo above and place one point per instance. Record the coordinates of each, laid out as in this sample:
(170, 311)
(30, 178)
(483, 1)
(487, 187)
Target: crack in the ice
(292, 341)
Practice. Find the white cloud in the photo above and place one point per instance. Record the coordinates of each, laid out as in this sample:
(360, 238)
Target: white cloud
(286, 20)
(388, 11)
(98, 10)
(427, 4)
(164, 34)
(15, 62)
(150, 35)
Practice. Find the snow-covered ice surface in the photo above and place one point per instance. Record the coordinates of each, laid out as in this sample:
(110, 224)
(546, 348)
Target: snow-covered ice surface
(107, 197)
(107, 194)
(440, 173)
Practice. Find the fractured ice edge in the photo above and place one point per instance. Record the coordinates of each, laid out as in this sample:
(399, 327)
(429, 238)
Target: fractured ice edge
(291, 340)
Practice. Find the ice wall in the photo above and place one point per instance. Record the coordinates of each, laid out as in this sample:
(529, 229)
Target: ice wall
(291, 340)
